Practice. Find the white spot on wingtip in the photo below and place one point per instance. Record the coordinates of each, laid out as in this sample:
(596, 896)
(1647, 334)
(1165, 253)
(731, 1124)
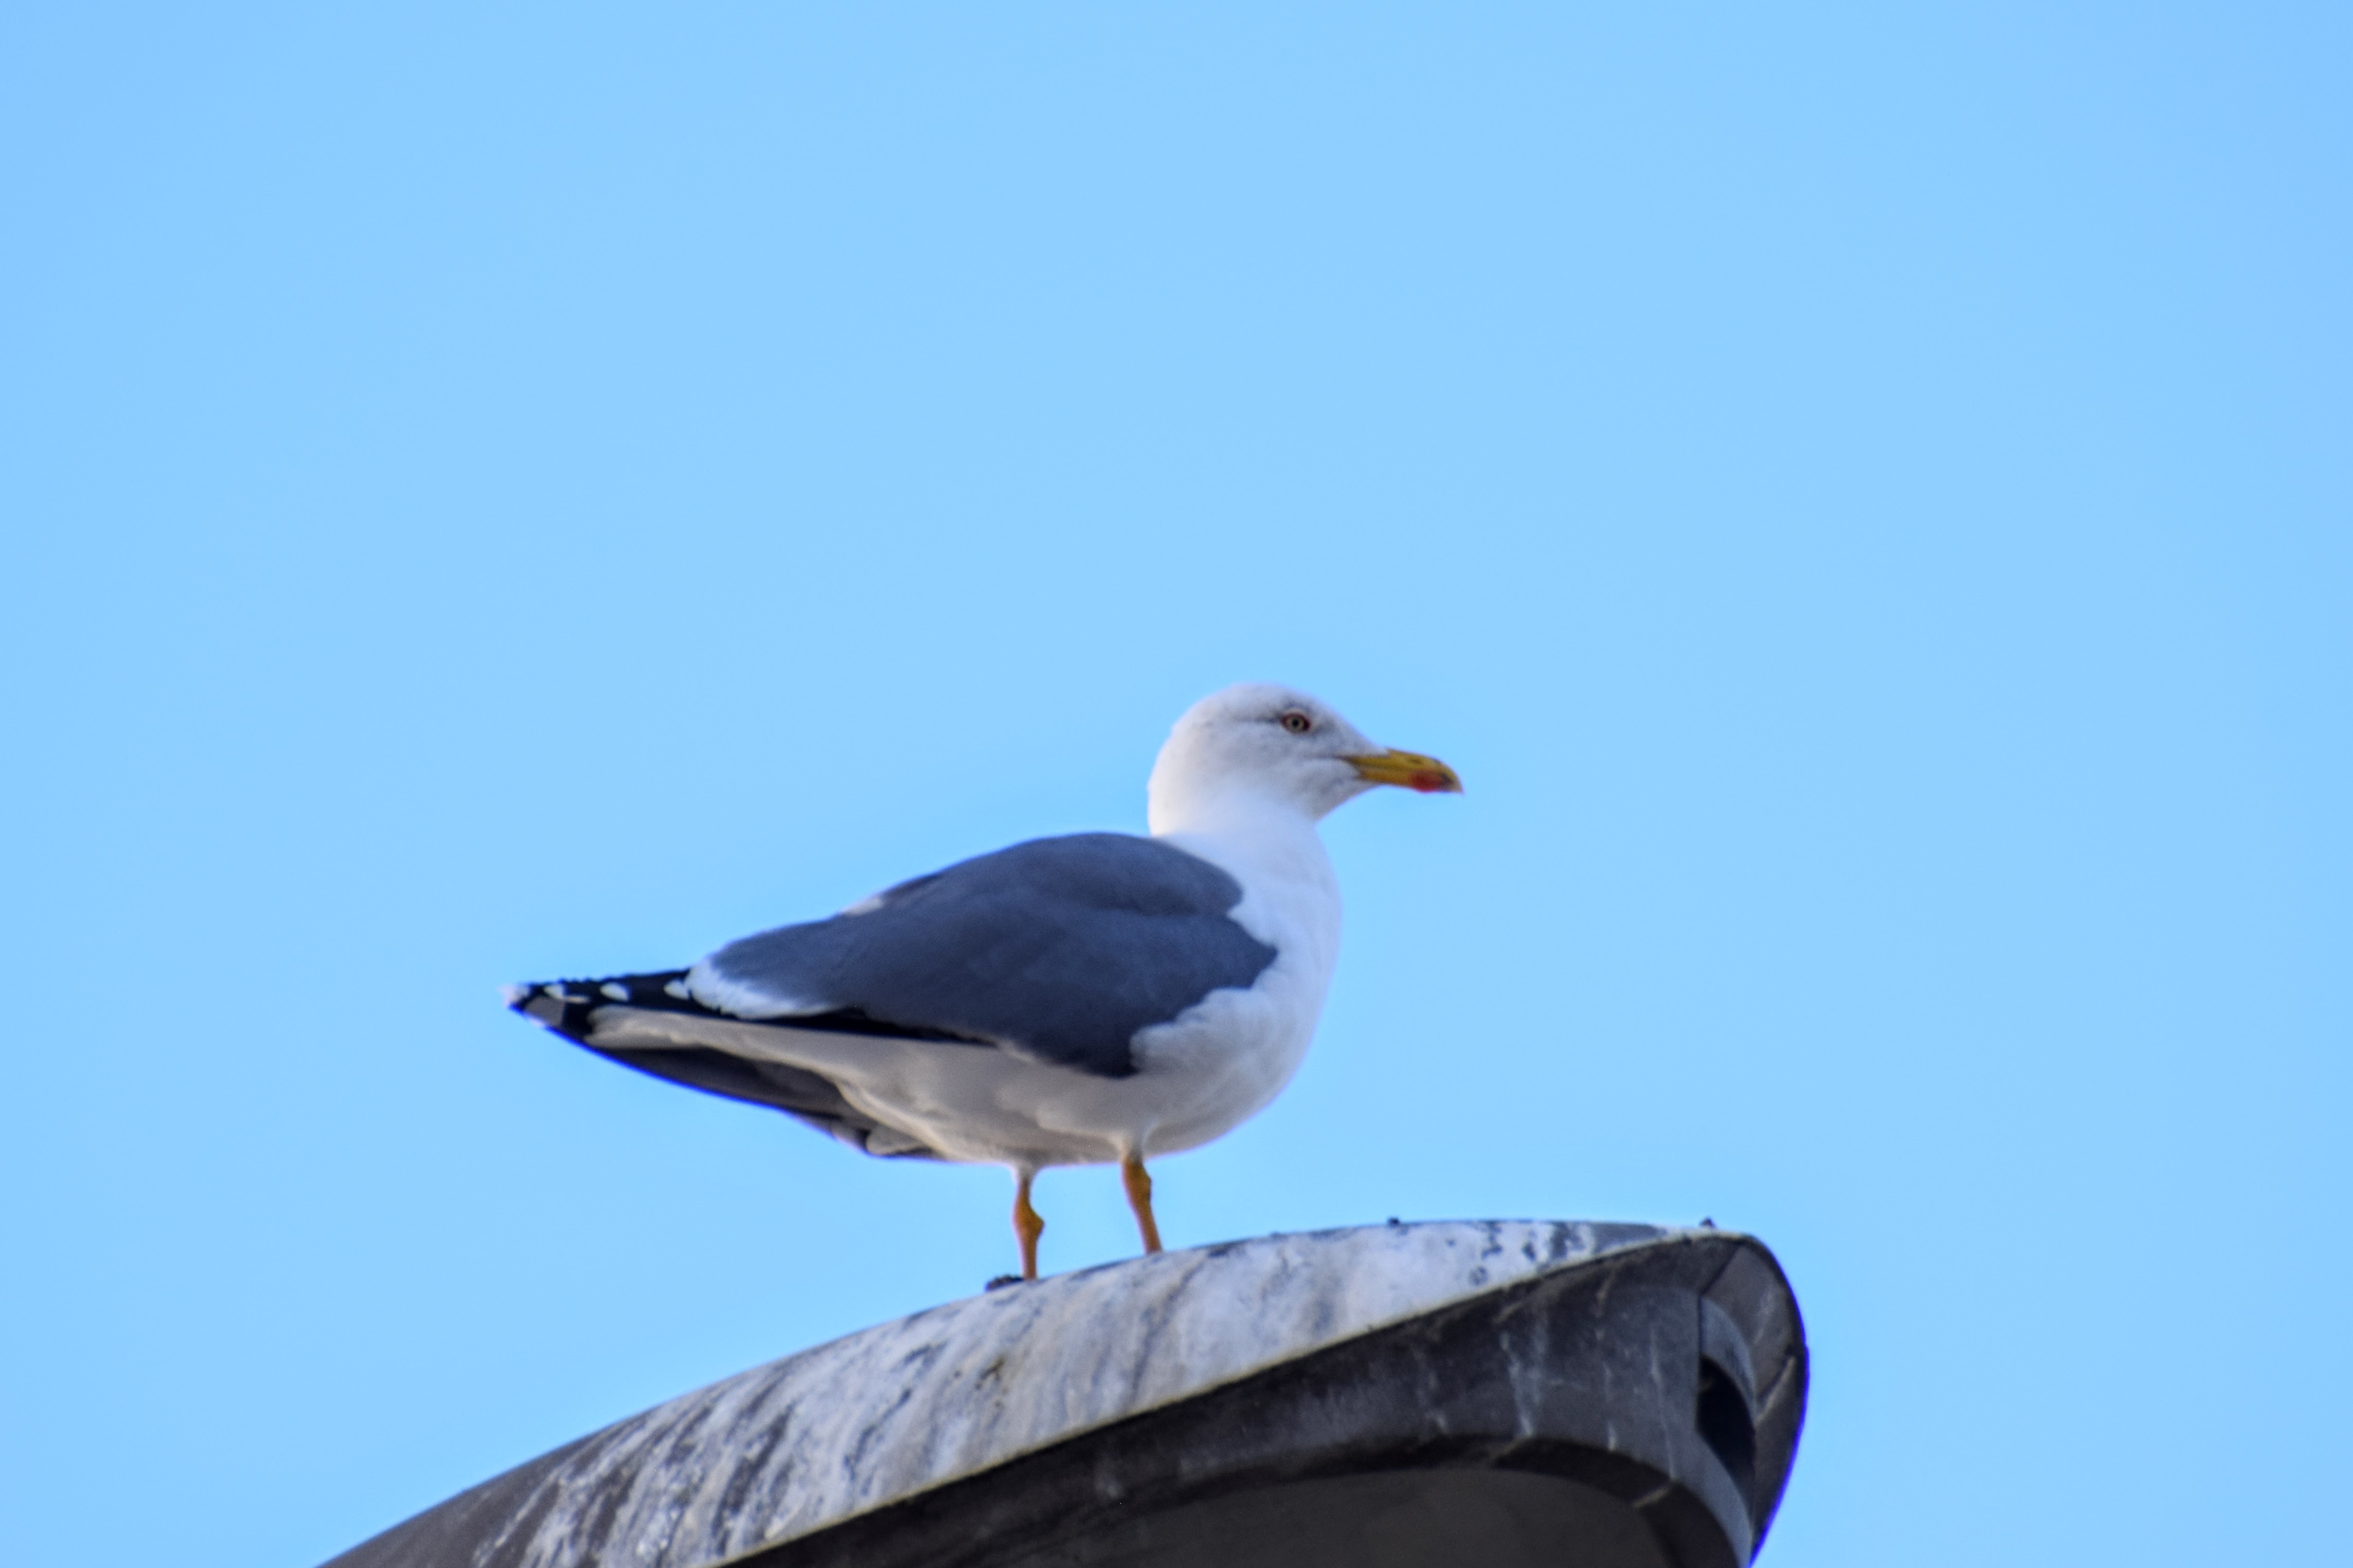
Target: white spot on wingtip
(514, 996)
(676, 990)
(616, 990)
(865, 905)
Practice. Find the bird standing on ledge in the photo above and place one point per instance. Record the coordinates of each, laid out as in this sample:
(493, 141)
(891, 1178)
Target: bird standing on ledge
(1092, 999)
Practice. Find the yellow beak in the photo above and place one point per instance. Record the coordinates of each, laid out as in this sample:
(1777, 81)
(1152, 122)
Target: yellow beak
(1411, 770)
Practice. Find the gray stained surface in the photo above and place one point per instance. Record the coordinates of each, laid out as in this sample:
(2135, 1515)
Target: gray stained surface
(1603, 1396)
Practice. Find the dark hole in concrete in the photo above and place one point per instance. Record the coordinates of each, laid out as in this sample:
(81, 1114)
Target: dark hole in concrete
(1723, 1421)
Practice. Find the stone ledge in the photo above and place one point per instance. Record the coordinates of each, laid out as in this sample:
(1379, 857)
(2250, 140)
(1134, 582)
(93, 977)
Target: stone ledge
(1500, 1390)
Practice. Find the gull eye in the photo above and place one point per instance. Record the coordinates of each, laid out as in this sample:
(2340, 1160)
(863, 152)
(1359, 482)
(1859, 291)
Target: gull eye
(1295, 721)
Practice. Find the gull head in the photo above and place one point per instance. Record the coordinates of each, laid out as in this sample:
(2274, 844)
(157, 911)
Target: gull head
(1254, 747)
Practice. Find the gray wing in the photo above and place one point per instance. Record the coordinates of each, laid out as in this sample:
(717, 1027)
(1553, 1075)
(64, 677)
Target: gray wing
(1060, 949)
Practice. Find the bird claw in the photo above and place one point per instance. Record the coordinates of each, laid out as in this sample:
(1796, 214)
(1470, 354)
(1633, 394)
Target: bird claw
(1001, 1281)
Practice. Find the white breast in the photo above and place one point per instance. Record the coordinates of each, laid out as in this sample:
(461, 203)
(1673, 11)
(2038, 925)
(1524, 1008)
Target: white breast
(1220, 1061)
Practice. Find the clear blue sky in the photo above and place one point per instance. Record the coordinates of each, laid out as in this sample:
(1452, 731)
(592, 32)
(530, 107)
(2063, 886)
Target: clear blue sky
(1865, 500)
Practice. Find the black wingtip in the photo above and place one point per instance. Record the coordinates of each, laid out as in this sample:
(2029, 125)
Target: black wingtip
(565, 1006)
(556, 1004)
(569, 1007)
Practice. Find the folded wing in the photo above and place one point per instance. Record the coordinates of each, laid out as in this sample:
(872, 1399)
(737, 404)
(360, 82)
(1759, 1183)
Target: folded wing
(1058, 950)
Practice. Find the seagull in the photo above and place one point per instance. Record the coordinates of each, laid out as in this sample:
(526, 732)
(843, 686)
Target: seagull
(1098, 998)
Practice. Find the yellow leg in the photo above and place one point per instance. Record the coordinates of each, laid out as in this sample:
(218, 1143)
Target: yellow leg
(1027, 1225)
(1138, 1182)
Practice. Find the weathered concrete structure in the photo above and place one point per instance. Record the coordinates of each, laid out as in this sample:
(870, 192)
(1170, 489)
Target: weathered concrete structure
(1501, 1393)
